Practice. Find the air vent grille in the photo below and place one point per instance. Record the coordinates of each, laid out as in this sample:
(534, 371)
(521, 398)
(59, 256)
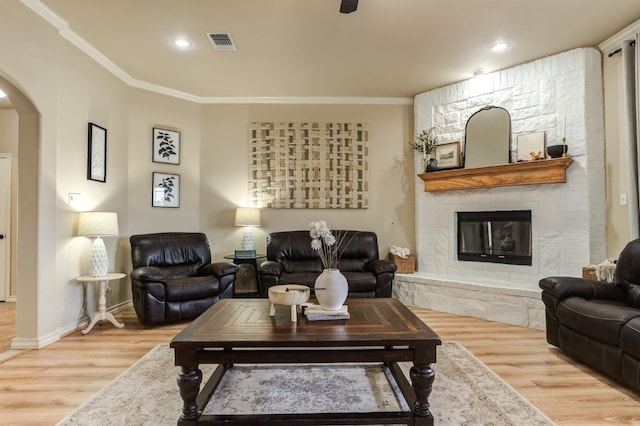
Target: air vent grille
(222, 41)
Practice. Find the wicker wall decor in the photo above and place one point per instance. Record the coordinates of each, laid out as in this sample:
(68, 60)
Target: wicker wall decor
(309, 165)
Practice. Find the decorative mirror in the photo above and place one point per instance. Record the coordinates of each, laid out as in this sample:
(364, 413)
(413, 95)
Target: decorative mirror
(487, 138)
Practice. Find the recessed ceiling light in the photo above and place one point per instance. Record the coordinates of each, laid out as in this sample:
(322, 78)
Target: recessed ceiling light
(181, 42)
(2, 94)
(500, 46)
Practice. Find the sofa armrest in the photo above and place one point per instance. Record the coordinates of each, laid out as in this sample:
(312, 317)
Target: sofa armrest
(219, 269)
(564, 287)
(380, 266)
(148, 273)
(270, 267)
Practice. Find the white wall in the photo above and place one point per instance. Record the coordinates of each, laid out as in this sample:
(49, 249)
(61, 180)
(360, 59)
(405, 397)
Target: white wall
(225, 160)
(69, 90)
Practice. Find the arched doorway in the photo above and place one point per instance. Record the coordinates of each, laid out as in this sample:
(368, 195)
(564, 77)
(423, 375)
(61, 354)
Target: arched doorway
(26, 231)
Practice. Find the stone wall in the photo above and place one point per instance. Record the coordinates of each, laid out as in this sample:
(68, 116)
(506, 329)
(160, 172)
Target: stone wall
(568, 219)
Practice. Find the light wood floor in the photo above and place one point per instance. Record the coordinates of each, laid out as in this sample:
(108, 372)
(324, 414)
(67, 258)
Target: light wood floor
(40, 387)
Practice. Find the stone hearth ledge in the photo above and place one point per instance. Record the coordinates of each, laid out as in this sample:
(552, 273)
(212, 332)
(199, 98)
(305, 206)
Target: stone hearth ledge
(507, 305)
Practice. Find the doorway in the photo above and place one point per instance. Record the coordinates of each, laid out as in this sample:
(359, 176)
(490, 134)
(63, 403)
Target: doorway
(24, 256)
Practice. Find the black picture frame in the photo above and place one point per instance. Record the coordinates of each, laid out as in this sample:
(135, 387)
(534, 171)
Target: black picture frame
(165, 190)
(97, 153)
(166, 146)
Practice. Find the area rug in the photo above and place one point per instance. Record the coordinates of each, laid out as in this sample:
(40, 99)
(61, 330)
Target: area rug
(465, 392)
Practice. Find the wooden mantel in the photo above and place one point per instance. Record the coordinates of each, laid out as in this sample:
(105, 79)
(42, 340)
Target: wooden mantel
(526, 173)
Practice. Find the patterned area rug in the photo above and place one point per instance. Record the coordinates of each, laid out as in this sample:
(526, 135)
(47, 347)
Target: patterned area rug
(465, 392)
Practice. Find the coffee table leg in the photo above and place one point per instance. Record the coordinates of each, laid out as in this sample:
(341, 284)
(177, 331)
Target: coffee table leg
(189, 379)
(422, 376)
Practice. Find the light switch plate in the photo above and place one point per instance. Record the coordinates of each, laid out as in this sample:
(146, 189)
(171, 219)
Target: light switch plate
(75, 199)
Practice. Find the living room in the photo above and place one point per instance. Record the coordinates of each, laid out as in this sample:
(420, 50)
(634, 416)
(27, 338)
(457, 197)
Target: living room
(58, 89)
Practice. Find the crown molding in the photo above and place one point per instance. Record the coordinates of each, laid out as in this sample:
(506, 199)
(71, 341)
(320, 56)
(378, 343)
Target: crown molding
(74, 38)
(615, 41)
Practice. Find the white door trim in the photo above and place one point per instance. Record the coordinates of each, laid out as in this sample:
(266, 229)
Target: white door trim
(5, 227)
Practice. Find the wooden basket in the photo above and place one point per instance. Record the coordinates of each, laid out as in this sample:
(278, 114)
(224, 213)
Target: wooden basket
(405, 266)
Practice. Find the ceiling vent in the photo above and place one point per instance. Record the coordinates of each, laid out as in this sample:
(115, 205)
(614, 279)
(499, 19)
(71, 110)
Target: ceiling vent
(222, 41)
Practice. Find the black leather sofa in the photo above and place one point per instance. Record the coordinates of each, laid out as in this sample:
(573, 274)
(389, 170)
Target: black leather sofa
(291, 260)
(173, 278)
(599, 323)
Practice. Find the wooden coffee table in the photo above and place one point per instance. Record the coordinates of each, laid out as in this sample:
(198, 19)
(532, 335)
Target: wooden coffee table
(241, 331)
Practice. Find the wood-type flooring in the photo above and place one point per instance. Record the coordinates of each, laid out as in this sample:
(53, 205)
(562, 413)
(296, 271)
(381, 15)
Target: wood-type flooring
(40, 387)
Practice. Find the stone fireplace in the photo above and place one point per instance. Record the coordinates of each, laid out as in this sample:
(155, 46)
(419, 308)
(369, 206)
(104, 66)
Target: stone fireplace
(567, 219)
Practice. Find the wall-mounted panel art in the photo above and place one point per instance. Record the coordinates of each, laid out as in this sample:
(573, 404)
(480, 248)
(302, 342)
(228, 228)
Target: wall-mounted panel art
(309, 165)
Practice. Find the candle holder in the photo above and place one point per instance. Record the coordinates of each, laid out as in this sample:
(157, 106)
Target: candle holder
(564, 147)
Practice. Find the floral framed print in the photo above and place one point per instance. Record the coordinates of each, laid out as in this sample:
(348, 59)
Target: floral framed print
(97, 153)
(166, 190)
(166, 146)
(448, 155)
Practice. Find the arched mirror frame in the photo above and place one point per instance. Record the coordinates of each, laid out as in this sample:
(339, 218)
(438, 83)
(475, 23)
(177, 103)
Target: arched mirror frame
(493, 149)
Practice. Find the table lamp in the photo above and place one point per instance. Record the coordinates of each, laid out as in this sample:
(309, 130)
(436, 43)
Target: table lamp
(98, 224)
(247, 217)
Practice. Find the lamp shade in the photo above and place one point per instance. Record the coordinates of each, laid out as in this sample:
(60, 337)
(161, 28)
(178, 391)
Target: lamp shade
(98, 224)
(247, 216)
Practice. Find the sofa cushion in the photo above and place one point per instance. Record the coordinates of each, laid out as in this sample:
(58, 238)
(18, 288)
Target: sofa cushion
(361, 282)
(601, 320)
(630, 337)
(303, 278)
(192, 288)
(633, 295)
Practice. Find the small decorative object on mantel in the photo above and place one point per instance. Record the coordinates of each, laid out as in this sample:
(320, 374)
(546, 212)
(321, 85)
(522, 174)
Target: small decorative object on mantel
(331, 287)
(425, 143)
(530, 146)
(557, 151)
(560, 150)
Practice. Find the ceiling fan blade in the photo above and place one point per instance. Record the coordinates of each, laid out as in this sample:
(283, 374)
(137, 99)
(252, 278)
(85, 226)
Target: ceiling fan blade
(348, 6)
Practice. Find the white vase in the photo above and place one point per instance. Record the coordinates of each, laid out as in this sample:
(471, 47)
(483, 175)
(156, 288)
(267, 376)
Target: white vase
(331, 289)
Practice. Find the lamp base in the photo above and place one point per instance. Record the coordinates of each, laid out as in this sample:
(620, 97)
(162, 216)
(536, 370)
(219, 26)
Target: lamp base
(98, 259)
(247, 239)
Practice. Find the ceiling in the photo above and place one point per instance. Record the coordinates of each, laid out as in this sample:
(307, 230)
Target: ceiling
(306, 48)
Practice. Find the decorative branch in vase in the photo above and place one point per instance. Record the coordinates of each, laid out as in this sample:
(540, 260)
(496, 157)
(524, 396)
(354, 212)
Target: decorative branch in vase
(425, 143)
(331, 287)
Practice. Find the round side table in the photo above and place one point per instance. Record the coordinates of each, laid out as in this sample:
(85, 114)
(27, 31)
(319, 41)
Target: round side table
(102, 313)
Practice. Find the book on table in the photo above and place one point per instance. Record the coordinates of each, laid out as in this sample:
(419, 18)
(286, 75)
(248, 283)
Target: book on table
(316, 313)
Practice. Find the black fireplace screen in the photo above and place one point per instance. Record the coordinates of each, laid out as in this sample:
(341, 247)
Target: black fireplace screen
(495, 236)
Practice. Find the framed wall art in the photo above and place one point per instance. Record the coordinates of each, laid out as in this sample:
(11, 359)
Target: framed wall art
(309, 165)
(166, 190)
(448, 155)
(97, 153)
(531, 146)
(166, 146)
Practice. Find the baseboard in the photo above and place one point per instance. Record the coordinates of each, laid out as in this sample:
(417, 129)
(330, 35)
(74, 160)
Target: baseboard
(42, 341)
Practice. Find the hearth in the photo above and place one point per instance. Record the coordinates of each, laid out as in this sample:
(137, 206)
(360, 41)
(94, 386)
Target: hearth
(495, 236)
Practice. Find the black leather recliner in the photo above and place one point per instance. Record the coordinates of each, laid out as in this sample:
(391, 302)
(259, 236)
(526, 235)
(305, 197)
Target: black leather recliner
(596, 322)
(291, 260)
(173, 278)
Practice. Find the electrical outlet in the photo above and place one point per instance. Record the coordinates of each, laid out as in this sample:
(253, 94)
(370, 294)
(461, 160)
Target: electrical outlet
(623, 199)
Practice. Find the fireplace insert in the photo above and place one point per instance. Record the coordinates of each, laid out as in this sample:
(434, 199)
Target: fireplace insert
(495, 236)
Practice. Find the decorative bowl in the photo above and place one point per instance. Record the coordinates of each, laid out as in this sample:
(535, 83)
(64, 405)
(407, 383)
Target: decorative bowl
(291, 294)
(555, 151)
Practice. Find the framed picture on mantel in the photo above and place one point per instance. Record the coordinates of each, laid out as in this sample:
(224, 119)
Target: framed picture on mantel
(448, 155)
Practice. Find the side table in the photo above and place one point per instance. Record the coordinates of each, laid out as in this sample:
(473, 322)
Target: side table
(253, 260)
(102, 313)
